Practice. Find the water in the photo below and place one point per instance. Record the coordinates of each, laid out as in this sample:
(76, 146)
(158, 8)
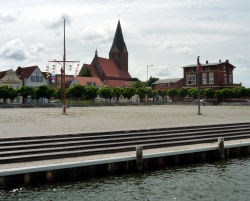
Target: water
(218, 180)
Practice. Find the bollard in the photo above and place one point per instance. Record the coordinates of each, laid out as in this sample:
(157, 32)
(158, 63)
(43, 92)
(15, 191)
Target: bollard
(139, 157)
(221, 149)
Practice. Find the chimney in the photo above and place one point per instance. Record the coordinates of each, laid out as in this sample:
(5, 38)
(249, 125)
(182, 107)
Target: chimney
(206, 61)
(220, 60)
(227, 60)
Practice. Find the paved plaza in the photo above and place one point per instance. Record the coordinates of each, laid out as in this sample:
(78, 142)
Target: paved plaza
(39, 121)
(17, 122)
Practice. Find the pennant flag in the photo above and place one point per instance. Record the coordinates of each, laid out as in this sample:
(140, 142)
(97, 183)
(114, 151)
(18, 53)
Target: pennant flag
(199, 67)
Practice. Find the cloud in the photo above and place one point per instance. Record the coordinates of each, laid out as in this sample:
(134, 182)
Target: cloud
(9, 17)
(57, 23)
(13, 50)
(184, 50)
(241, 58)
(38, 49)
(101, 34)
(162, 72)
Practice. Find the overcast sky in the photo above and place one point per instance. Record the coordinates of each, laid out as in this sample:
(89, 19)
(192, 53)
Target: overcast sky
(168, 34)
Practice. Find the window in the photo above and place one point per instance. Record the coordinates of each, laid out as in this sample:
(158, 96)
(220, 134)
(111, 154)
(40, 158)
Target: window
(17, 87)
(40, 78)
(32, 78)
(211, 78)
(204, 78)
(208, 68)
(230, 78)
(9, 78)
(191, 70)
(191, 79)
(224, 68)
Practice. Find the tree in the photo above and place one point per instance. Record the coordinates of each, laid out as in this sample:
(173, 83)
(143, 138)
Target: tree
(91, 92)
(141, 92)
(117, 92)
(152, 93)
(151, 81)
(193, 92)
(183, 92)
(25, 92)
(226, 93)
(13, 93)
(239, 92)
(128, 92)
(162, 93)
(86, 72)
(172, 93)
(4, 93)
(209, 93)
(58, 94)
(248, 92)
(105, 92)
(76, 91)
(218, 94)
(137, 84)
(45, 91)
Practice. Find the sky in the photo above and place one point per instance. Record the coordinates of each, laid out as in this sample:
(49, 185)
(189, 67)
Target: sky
(167, 34)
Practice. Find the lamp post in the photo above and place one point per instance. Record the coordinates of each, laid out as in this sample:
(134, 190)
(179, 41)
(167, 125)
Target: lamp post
(147, 79)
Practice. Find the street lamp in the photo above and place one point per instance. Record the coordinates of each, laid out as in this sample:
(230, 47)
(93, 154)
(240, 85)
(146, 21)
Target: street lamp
(147, 79)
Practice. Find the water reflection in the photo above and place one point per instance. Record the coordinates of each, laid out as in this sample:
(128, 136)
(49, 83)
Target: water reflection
(219, 180)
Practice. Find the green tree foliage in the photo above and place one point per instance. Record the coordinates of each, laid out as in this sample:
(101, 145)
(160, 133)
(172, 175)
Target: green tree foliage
(128, 92)
(151, 80)
(58, 94)
(105, 92)
(239, 92)
(172, 93)
(209, 93)
(183, 92)
(13, 93)
(193, 92)
(137, 84)
(218, 94)
(226, 93)
(141, 92)
(4, 93)
(117, 92)
(76, 91)
(162, 93)
(86, 72)
(45, 91)
(152, 93)
(91, 92)
(34, 95)
(25, 92)
(248, 92)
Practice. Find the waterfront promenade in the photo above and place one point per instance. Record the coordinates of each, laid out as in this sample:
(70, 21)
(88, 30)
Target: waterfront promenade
(49, 121)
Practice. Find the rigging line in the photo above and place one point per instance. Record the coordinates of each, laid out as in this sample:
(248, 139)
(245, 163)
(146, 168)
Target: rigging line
(73, 55)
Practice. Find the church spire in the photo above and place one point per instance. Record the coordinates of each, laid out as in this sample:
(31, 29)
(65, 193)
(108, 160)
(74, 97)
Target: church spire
(118, 40)
(118, 51)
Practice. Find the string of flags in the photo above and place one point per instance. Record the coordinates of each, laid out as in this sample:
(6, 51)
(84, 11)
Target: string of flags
(51, 74)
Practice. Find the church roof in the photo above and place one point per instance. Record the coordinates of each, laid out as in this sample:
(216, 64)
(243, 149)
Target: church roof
(118, 40)
(85, 80)
(117, 83)
(111, 69)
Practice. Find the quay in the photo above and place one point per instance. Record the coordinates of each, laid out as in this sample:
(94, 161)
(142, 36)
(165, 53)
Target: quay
(78, 168)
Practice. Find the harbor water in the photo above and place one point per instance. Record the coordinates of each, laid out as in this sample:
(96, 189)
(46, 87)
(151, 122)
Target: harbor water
(217, 180)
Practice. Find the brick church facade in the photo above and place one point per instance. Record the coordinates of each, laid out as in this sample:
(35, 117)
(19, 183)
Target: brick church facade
(113, 72)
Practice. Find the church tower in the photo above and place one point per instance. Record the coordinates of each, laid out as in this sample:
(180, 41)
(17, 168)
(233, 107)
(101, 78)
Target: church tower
(118, 51)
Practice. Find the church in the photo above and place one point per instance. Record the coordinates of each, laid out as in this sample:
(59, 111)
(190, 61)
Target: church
(113, 72)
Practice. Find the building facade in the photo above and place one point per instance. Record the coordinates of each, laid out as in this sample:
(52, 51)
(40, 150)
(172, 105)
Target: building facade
(216, 76)
(32, 77)
(10, 79)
